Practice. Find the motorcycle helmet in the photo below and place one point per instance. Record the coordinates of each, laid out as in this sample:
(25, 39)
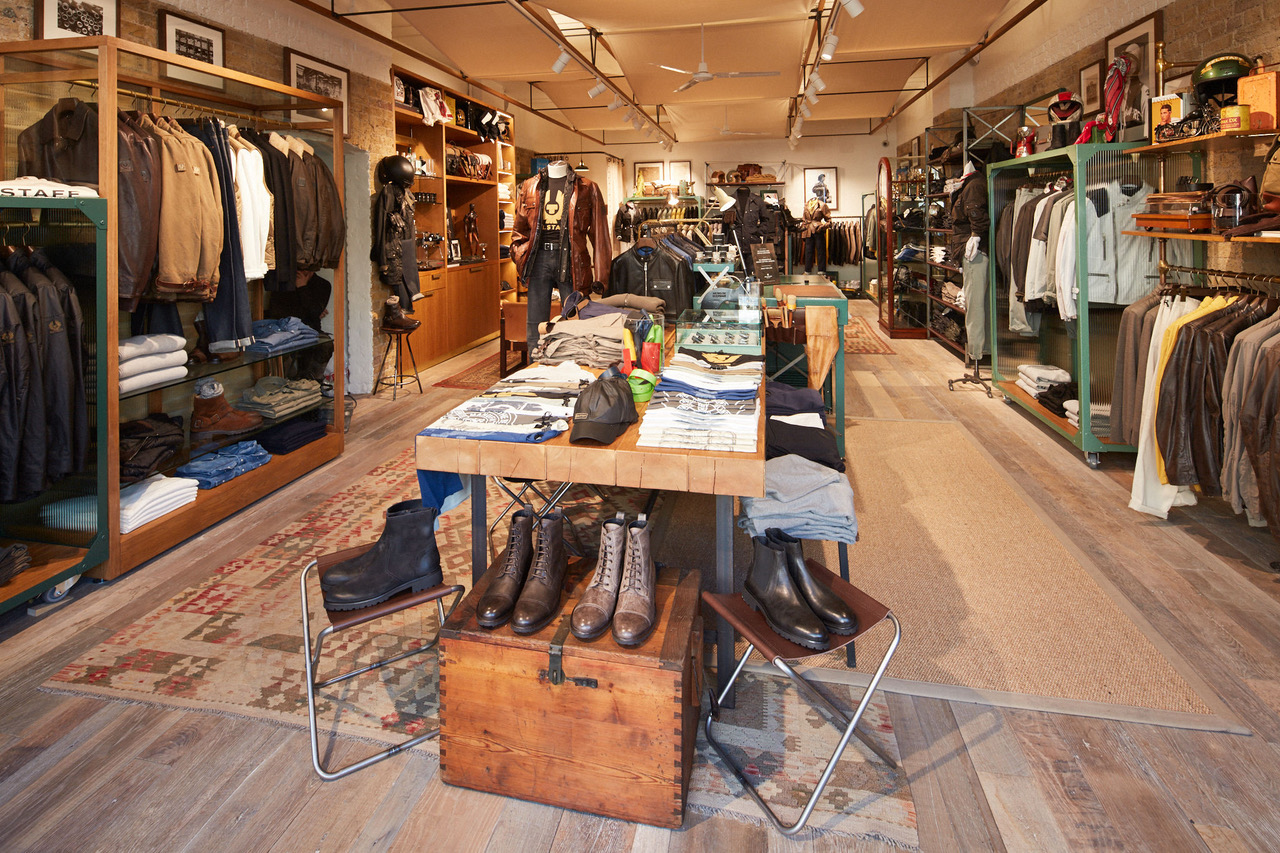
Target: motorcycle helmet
(1215, 78)
(396, 169)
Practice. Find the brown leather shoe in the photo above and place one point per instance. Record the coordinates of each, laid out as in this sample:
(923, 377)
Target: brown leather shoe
(394, 318)
(540, 598)
(499, 599)
(593, 612)
(636, 614)
(213, 416)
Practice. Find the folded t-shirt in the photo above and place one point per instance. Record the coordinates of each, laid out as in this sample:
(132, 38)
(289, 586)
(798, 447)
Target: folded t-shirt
(141, 345)
(158, 361)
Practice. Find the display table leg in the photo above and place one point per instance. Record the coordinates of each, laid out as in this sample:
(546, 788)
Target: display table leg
(479, 530)
(725, 634)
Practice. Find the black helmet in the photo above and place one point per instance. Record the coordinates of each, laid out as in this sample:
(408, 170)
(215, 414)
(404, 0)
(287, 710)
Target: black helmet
(1215, 78)
(396, 170)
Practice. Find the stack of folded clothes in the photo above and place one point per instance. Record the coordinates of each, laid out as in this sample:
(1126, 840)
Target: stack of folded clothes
(530, 405)
(1100, 419)
(1056, 396)
(594, 341)
(271, 337)
(140, 503)
(290, 435)
(214, 469)
(1035, 379)
(147, 444)
(150, 360)
(276, 397)
(1072, 408)
(802, 432)
(14, 560)
(705, 401)
(806, 499)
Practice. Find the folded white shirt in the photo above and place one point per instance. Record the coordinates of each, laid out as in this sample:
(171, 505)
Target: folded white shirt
(152, 378)
(1072, 406)
(158, 361)
(805, 419)
(1028, 387)
(141, 345)
(1044, 372)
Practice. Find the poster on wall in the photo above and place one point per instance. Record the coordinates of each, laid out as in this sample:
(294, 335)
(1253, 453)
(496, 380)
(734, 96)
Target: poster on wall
(822, 183)
(1090, 92)
(192, 40)
(1137, 42)
(313, 75)
(56, 19)
(680, 170)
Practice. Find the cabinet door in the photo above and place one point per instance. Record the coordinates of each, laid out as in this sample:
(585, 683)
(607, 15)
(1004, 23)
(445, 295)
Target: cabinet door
(428, 340)
(473, 304)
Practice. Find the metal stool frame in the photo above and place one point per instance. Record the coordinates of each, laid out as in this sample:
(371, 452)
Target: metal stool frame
(311, 662)
(398, 379)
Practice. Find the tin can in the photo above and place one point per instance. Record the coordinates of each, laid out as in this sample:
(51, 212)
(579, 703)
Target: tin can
(1235, 118)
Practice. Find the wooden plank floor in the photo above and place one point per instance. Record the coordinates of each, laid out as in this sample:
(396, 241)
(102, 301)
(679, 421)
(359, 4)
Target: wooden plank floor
(83, 774)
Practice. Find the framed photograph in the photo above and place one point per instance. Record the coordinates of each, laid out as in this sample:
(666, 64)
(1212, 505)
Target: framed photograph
(1180, 85)
(57, 19)
(822, 183)
(1138, 42)
(455, 250)
(646, 173)
(193, 40)
(680, 170)
(314, 75)
(1090, 91)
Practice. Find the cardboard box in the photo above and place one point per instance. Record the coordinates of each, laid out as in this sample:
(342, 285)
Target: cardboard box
(1258, 91)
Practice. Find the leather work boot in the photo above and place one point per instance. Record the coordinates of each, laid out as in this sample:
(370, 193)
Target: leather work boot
(770, 590)
(404, 558)
(636, 613)
(540, 598)
(212, 415)
(825, 604)
(499, 599)
(399, 532)
(394, 318)
(593, 612)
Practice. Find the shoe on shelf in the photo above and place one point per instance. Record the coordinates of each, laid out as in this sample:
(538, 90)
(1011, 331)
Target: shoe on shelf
(770, 590)
(405, 557)
(540, 599)
(836, 616)
(636, 614)
(594, 611)
(394, 319)
(212, 415)
(494, 609)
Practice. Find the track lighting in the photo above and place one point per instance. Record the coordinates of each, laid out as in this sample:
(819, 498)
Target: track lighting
(636, 123)
(562, 62)
(799, 123)
(597, 90)
(616, 105)
(810, 96)
(853, 7)
(829, 46)
(817, 82)
(792, 142)
(631, 113)
(648, 131)
(804, 110)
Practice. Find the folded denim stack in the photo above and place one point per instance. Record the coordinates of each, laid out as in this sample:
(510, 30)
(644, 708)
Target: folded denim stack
(272, 337)
(150, 360)
(705, 401)
(140, 503)
(14, 560)
(290, 435)
(276, 397)
(804, 498)
(214, 469)
(530, 405)
(594, 341)
(1035, 379)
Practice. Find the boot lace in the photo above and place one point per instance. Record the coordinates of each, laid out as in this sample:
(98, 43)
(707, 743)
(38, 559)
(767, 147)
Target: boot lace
(511, 568)
(604, 576)
(633, 581)
(540, 565)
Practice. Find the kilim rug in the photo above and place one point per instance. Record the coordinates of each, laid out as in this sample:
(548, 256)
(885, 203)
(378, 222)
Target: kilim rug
(861, 339)
(478, 377)
(233, 645)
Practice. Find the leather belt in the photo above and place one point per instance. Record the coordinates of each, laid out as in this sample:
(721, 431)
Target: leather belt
(551, 247)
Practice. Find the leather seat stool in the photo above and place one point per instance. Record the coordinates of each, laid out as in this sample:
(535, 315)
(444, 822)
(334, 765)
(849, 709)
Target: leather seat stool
(399, 379)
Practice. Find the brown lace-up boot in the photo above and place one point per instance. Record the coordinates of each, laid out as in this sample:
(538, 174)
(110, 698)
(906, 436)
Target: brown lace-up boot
(636, 613)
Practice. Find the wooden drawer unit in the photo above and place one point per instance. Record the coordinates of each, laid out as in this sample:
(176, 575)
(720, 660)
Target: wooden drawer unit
(615, 737)
(473, 304)
(430, 344)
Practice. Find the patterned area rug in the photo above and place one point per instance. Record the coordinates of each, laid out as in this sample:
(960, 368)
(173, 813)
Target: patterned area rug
(861, 339)
(233, 645)
(478, 377)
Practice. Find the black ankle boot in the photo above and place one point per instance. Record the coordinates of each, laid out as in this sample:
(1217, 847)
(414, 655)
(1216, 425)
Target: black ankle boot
(825, 604)
(770, 590)
(404, 557)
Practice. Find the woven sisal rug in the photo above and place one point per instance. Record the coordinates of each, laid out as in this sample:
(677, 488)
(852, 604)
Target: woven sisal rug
(861, 339)
(233, 645)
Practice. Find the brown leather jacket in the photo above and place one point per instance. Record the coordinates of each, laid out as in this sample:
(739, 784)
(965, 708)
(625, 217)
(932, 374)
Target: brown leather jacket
(587, 218)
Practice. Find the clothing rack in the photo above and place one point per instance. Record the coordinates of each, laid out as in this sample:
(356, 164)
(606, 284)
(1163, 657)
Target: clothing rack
(1222, 274)
(197, 109)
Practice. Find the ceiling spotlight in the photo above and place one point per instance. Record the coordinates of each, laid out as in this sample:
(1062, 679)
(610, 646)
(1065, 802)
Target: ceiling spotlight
(792, 142)
(648, 131)
(829, 46)
(616, 105)
(636, 123)
(804, 110)
(597, 90)
(816, 81)
(853, 7)
(631, 113)
(799, 123)
(811, 97)
(582, 165)
(562, 62)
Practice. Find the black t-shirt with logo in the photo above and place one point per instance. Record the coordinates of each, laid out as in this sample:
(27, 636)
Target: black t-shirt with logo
(553, 208)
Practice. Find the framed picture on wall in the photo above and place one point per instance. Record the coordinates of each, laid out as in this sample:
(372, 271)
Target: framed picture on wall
(1137, 42)
(822, 183)
(680, 170)
(57, 19)
(1090, 92)
(193, 40)
(649, 173)
(313, 75)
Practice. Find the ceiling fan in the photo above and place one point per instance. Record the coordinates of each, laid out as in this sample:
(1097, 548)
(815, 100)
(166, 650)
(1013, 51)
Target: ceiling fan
(725, 131)
(703, 75)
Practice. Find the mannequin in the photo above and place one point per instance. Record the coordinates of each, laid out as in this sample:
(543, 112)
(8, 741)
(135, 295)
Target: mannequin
(561, 241)
(817, 219)
(971, 223)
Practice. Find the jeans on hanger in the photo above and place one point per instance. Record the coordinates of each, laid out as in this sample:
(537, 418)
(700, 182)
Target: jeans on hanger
(540, 281)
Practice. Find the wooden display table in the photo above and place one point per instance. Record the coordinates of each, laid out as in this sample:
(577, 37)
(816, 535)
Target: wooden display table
(591, 726)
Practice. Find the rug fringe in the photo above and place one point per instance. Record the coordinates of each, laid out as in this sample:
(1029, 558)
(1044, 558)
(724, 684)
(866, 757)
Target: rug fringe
(810, 833)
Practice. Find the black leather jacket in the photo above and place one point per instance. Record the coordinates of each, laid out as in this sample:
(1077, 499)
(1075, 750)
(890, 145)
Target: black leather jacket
(63, 145)
(969, 215)
(654, 272)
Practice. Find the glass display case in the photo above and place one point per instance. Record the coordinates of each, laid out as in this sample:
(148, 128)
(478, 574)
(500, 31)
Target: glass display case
(721, 330)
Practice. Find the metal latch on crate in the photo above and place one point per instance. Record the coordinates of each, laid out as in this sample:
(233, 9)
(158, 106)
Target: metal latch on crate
(555, 668)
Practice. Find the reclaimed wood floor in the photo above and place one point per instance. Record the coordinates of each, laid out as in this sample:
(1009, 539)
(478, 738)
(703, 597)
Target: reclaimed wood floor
(83, 774)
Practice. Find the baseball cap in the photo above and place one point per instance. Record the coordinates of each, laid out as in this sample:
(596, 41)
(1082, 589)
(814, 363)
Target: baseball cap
(604, 409)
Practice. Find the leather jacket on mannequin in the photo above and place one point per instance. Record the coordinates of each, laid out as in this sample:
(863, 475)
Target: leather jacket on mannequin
(648, 270)
(586, 219)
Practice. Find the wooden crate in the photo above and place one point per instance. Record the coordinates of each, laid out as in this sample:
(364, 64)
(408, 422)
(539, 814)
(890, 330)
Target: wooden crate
(622, 748)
